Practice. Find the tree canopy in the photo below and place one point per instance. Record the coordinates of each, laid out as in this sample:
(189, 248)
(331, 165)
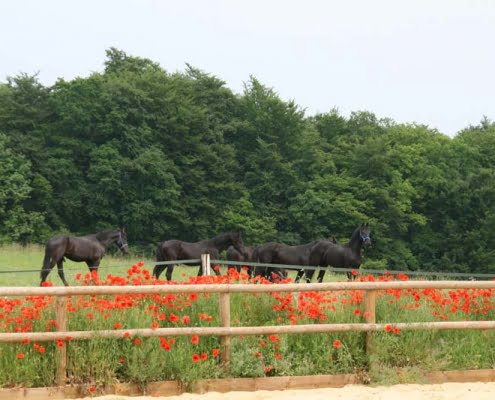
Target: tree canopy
(180, 156)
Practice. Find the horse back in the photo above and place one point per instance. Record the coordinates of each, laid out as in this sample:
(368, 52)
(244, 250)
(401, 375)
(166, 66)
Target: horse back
(84, 248)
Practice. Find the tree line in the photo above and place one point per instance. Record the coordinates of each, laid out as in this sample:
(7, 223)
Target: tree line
(180, 156)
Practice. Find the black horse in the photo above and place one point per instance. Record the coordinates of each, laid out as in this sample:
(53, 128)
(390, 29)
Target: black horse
(326, 253)
(246, 255)
(279, 253)
(90, 249)
(178, 250)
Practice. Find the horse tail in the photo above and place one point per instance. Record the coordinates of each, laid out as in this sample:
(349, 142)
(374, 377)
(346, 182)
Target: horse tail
(159, 253)
(47, 261)
(47, 266)
(257, 270)
(158, 269)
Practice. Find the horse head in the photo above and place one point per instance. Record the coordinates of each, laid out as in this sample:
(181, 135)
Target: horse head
(122, 241)
(236, 239)
(364, 235)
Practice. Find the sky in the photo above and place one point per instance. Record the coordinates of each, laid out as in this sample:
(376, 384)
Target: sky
(430, 62)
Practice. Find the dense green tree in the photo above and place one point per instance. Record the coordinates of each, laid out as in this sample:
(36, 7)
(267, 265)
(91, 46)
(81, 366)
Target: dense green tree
(179, 155)
(16, 223)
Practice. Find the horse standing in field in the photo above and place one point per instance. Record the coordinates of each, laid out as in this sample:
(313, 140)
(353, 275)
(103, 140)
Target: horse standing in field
(178, 250)
(279, 253)
(326, 253)
(90, 249)
(235, 255)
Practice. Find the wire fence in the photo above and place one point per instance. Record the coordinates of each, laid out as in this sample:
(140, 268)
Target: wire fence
(423, 274)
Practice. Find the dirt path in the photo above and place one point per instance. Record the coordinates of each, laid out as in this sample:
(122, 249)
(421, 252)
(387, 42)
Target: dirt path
(445, 391)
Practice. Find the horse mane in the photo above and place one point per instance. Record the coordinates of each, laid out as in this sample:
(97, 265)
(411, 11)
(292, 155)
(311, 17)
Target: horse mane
(355, 235)
(106, 233)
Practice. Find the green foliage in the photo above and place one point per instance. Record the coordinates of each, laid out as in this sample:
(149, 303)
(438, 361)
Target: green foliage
(179, 155)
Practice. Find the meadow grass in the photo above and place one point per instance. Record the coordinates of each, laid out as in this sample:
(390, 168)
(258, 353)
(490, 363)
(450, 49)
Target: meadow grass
(21, 266)
(141, 360)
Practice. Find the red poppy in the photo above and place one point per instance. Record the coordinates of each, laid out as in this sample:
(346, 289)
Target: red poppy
(204, 356)
(388, 328)
(195, 358)
(278, 356)
(337, 343)
(117, 325)
(355, 272)
(20, 356)
(186, 319)
(193, 296)
(215, 352)
(396, 331)
(91, 389)
(195, 339)
(137, 342)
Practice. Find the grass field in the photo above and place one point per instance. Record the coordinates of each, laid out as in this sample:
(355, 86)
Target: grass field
(143, 360)
(25, 263)
(21, 265)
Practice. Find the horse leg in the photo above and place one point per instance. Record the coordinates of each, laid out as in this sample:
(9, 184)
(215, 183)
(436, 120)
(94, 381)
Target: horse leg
(158, 269)
(170, 269)
(93, 269)
(299, 275)
(321, 275)
(48, 264)
(60, 270)
(308, 275)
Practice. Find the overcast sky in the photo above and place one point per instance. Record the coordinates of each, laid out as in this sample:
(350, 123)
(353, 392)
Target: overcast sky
(425, 61)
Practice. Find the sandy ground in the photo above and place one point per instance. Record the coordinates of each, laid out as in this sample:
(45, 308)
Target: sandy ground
(445, 391)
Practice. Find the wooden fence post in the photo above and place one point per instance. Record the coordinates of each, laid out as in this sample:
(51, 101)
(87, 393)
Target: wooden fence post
(61, 352)
(225, 323)
(205, 264)
(370, 316)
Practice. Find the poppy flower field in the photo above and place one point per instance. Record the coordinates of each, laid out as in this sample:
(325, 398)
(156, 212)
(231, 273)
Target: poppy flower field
(141, 360)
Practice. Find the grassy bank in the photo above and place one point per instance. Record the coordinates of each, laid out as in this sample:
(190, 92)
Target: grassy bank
(143, 360)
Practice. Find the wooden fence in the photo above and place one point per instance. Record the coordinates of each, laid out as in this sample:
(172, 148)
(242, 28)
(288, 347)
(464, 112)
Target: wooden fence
(225, 331)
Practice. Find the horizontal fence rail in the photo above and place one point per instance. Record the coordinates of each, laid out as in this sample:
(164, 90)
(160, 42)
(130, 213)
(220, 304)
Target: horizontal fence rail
(225, 331)
(242, 331)
(240, 288)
